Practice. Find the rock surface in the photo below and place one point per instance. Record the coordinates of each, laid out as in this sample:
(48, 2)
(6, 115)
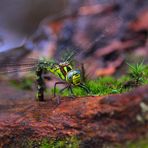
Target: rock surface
(113, 118)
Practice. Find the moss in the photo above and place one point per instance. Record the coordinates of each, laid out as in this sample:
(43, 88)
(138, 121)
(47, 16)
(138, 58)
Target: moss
(136, 73)
(69, 142)
(74, 142)
(100, 86)
(141, 143)
(24, 83)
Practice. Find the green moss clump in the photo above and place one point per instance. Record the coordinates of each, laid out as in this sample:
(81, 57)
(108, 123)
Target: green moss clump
(24, 83)
(136, 73)
(141, 143)
(100, 86)
(69, 142)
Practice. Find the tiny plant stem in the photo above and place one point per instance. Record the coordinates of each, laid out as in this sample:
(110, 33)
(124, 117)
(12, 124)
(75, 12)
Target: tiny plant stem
(40, 85)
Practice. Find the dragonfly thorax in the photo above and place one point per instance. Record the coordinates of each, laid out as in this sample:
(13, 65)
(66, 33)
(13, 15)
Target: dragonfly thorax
(74, 77)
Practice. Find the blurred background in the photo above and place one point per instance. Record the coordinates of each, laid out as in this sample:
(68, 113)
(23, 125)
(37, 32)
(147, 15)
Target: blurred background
(20, 18)
(105, 32)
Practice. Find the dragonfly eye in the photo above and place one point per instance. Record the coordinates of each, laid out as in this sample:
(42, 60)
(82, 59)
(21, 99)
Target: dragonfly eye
(74, 76)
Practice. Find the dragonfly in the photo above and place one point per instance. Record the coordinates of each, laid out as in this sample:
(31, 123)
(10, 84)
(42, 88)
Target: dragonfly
(69, 75)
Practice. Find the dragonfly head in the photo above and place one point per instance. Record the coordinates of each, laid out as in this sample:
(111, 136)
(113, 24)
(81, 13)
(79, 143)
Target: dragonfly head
(74, 77)
(66, 63)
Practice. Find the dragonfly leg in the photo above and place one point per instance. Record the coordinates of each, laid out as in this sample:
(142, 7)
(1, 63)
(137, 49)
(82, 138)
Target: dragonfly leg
(71, 91)
(84, 87)
(58, 98)
(57, 83)
(63, 89)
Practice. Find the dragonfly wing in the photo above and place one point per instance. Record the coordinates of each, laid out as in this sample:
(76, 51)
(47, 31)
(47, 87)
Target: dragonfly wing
(16, 70)
(13, 66)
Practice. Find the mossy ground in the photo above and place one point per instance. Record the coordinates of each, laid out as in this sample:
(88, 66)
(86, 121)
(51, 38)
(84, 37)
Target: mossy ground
(74, 142)
(101, 86)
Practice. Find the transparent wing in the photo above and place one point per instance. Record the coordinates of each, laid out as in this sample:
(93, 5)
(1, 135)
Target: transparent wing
(12, 66)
